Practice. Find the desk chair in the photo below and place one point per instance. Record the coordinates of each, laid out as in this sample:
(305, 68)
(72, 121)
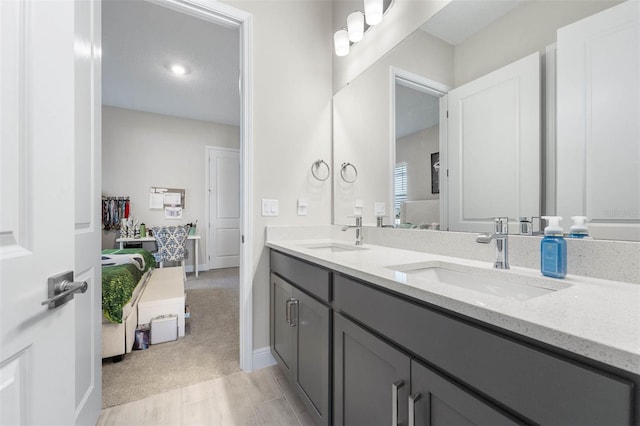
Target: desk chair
(171, 241)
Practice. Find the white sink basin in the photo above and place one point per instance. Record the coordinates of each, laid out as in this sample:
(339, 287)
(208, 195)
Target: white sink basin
(499, 283)
(333, 247)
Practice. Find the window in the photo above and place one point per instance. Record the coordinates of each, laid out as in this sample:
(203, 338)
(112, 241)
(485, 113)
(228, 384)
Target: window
(399, 187)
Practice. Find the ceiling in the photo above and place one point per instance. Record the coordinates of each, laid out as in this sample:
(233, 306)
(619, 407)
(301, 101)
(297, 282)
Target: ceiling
(415, 111)
(140, 40)
(460, 19)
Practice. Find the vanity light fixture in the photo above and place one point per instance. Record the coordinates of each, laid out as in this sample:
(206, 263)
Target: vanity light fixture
(355, 26)
(373, 11)
(341, 42)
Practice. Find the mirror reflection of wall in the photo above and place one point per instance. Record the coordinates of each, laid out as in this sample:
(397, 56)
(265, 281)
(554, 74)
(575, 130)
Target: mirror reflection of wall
(362, 128)
(416, 203)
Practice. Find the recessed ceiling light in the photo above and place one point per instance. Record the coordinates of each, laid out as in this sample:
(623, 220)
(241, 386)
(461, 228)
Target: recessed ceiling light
(179, 69)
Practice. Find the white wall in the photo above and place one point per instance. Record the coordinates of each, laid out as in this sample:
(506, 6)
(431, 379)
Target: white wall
(141, 149)
(416, 150)
(526, 29)
(292, 42)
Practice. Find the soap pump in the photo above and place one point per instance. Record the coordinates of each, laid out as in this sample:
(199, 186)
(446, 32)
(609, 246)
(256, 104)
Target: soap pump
(553, 249)
(579, 227)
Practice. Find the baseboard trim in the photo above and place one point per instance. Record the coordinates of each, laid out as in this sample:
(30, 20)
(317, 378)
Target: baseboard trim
(189, 267)
(262, 358)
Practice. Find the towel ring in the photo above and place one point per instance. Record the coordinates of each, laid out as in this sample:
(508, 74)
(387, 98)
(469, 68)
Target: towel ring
(343, 171)
(315, 167)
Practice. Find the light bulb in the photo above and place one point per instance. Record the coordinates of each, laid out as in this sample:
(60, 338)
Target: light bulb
(373, 11)
(355, 26)
(178, 69)
(341, 42)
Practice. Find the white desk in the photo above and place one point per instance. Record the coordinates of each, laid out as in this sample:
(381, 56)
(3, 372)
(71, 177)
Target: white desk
(194, 238)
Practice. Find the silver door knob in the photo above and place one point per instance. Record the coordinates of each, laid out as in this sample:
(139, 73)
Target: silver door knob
(61, 289)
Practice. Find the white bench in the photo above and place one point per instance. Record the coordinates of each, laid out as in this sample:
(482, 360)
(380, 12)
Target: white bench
(164, 295)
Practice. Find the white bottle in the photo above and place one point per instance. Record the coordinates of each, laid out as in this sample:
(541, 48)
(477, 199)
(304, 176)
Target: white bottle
(579, 227)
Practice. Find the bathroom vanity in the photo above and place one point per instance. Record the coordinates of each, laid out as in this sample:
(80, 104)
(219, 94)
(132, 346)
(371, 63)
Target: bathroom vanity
(377, 335)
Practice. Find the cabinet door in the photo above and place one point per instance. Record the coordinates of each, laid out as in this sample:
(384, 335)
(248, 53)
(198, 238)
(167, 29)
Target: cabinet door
(371, 378)
(435, 401)
(312, 326)
(280, 329)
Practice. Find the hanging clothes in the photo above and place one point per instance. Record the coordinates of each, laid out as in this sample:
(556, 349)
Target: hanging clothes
(113, 210)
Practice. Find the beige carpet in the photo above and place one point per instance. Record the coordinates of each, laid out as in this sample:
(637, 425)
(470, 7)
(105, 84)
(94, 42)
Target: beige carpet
(208, 350)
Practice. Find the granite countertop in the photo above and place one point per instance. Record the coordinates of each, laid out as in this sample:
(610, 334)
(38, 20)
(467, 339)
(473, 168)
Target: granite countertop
(596, 318)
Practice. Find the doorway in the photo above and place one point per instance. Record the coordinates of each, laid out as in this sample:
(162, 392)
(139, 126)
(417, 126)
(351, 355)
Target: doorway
(418, 138)
(207, 14)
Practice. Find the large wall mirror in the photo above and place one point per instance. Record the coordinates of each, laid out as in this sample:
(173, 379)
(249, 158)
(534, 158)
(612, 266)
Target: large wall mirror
(496, 68)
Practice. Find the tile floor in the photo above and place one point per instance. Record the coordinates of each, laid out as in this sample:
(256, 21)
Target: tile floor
(262, 397)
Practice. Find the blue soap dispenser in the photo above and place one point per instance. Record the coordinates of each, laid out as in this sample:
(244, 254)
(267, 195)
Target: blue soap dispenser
(553, 249)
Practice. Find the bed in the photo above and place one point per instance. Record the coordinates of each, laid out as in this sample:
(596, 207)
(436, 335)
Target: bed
(125, 274)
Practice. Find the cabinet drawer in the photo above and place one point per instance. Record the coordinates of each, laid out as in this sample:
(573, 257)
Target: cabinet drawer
(306, 276)
(542, 387)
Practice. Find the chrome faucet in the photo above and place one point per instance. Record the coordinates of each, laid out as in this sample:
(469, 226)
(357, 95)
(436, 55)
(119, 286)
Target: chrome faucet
(380, 223)
(501, 235)
(358, 227)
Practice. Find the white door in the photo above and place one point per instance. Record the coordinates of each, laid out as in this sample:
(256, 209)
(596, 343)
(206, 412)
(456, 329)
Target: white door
(493, 156)
(49, 358)
(598, 145)
(223, 242)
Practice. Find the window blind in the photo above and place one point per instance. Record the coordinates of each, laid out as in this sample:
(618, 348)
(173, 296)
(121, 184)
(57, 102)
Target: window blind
(399, 186)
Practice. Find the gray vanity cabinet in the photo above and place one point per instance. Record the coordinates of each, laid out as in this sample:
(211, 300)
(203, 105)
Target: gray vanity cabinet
(533, 384)
(378, 384)
(435, 400)
(371, 378)
(281, 333)
(301, 334)
(359, 354)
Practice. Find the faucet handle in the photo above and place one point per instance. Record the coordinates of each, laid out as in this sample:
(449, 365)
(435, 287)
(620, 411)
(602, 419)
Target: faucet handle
(502, 225)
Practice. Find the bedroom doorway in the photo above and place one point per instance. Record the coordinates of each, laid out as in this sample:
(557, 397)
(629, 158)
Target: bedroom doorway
(207, 14)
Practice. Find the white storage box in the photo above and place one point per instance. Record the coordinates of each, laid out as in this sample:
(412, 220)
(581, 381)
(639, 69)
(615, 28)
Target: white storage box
(164, 329)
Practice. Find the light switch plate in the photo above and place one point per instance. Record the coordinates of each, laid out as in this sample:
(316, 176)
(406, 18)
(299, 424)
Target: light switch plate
(269, 207)
(303, 206)
(357, 208)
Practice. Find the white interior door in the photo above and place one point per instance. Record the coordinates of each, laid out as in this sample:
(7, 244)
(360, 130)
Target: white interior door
(48, 371)
(598, 145)
(223, 242)
(493, 156)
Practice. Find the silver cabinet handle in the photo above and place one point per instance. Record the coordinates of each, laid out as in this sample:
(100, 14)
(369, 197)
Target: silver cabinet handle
(62, 288)
(287, 311)
(412, 408)
(394, 401)
(294, 302)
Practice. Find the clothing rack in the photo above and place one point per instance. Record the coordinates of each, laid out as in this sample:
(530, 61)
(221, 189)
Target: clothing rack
(114, 209)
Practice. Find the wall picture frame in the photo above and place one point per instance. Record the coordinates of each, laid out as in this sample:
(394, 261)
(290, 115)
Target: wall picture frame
(435, 173)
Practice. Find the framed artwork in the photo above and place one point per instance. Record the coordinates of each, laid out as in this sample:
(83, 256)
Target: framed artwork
(435, 173)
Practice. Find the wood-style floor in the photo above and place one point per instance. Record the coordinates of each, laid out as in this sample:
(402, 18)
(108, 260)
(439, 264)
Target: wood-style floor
(262, 397)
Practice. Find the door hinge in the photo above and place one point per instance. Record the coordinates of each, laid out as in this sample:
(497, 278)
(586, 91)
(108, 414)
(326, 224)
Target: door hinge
(447, 113)
(447, 172)
(243, 239)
